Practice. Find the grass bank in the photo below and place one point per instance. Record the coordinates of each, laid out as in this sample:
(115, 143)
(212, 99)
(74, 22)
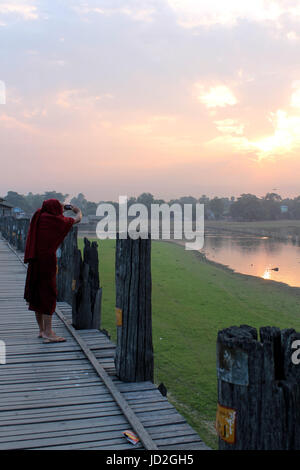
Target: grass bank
(192, 300)
(278, 229)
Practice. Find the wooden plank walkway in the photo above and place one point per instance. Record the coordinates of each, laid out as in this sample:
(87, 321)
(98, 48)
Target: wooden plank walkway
(51, 395)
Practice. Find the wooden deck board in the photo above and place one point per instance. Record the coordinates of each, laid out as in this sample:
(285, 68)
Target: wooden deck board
(52, 397)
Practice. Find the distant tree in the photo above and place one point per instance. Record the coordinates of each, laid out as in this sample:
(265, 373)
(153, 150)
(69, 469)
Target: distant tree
(87, 207)
(131, 200)
(203, 199)
(54, 195)
(273, 197)
(17, 200)
(187, 200)
(145, 198)
(294, 207)
(247, 207)
(79, 201)
(34, 201)
(217, 206)
(271, 206)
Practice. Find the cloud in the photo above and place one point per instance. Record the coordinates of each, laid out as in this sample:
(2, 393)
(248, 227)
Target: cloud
(218, 96)
(229, 126)
(10, 122)
(34, 113)
(284, 139)
(134, 12)
(286, 135)
(292, 36)
(163, 134)
(20, 9)
(79, 99)
(295, 98)
(155, 125)
(192, 13)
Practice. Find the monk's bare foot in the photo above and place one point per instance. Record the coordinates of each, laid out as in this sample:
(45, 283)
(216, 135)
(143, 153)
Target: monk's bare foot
(53, 339)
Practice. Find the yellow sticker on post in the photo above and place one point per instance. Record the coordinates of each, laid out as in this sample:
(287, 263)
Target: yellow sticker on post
(226, 423)
(119, 316)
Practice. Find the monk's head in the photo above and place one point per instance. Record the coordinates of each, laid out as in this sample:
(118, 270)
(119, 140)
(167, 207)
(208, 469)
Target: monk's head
(52, 206)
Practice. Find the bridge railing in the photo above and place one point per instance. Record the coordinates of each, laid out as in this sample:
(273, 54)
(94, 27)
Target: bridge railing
(15, 231)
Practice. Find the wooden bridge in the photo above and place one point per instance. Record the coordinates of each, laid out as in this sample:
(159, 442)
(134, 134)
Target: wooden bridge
(67, 395)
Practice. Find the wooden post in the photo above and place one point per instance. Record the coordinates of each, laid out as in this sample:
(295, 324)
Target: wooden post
(66, 266)
(87, 293)
(23, 227)
(258, 390)
(15, 231)
(134, 352)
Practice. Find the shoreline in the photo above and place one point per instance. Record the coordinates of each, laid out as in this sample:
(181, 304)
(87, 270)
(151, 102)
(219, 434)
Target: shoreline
(292, 289)
(281, 230)
(224, 267)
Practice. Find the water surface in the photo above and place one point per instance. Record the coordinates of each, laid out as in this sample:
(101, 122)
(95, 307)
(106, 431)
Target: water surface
(257, 256)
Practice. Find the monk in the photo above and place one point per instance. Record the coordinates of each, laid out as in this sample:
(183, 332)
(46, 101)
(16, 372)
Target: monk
(48, 228)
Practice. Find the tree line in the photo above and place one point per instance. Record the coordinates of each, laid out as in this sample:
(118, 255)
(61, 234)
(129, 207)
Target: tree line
(246, 207)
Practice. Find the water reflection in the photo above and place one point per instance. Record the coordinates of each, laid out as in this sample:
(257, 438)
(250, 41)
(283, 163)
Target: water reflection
(258, 256)
(267, 274)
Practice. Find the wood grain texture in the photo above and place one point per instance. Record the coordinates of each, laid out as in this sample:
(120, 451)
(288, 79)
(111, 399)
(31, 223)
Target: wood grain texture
(134, 354)
(267, 406)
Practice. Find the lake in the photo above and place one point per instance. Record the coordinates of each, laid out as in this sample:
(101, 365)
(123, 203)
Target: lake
(254, 255)
(249, 254)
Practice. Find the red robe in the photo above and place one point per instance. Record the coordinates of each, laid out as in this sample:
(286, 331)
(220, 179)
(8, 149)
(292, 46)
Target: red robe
(47, 230)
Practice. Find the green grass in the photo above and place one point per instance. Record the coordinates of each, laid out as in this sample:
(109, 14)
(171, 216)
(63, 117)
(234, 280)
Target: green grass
(192, 300)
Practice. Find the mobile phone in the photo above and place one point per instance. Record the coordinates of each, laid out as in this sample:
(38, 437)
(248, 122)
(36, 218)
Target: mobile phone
(68, 207)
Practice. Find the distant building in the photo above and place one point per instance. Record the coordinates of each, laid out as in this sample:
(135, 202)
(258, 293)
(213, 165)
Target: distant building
(18, 213)
(5, 208)
(284, 209)
(210, 215)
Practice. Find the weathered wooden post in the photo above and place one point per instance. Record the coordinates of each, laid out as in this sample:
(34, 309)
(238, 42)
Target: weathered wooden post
(134, 352)
(15, 231)
(87, 293)
(78, 281)
(90, 257)
(66, 266)
(258, 389)
(22, 230)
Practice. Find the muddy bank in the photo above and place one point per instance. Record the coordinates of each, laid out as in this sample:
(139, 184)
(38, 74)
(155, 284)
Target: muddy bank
(281, 230)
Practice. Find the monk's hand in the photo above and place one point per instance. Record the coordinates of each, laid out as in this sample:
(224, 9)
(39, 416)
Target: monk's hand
(78, 213)
(67, 207)
(75, 209)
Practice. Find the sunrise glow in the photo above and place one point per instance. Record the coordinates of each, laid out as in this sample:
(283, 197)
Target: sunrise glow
(108, 94)
(219, 96)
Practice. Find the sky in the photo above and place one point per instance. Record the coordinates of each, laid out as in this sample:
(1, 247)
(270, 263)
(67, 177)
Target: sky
(172, 97)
